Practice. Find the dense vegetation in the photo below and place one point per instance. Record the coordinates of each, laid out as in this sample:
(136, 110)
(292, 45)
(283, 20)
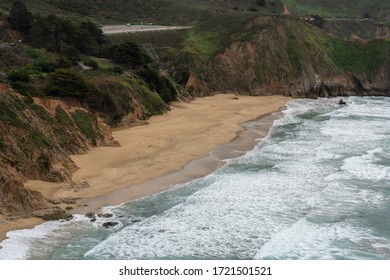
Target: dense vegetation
(49, 65)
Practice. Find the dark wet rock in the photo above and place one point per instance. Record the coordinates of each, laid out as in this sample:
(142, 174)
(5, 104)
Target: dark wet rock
(136, 221)
(104, 215)
(110, 224)
(90, 215)
(69, 208)
(93, 220)
(342, 102)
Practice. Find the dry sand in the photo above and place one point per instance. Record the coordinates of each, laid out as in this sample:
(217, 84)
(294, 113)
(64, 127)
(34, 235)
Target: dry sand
(164, 146)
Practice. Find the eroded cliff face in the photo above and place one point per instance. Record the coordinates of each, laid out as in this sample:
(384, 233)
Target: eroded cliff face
(36, 137)
(293, 58)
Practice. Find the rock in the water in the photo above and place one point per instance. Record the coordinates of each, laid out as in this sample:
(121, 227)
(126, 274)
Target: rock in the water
(110, 224)
(90, 215)
(105, 215)
(93, 220)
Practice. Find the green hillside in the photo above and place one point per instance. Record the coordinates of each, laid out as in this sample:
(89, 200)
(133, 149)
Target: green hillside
(341, 8)
(157, 11)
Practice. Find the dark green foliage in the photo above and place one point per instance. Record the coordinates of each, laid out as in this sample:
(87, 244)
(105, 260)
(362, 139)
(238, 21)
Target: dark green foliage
(20, 17)
(62, 117)
(63, 62)
(117, 70)
(101, 101)
(44, 64)
(71, 54)
(158, 83)
(3, 33)
(21, 75)
(67, 83)
(84, 122)
(62, 36)
(26, 89)
(92, 63)
(260, 3)
(129, 54)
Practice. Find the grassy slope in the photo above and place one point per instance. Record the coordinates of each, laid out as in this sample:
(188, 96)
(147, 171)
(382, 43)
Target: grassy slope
(277, 49)
(157, 11)
(339, 8)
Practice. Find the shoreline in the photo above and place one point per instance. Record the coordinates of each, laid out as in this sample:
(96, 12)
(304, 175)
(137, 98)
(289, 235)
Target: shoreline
(196, 168)
(188, 142)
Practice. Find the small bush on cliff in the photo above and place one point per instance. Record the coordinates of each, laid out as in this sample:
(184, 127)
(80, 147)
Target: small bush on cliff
(84, 122)
(61, 116)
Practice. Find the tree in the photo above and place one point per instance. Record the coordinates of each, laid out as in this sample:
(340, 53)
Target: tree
(129, 54)
(260, 3)
(67, 83)
(20, 17)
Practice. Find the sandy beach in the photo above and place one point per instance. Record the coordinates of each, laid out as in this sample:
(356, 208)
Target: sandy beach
(157, 151)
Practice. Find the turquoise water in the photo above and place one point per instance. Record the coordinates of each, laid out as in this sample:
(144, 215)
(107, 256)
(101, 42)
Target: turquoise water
(317, 187)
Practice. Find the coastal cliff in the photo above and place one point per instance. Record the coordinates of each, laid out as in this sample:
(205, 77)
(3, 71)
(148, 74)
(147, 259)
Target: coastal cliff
(36, 137)
(291, 57)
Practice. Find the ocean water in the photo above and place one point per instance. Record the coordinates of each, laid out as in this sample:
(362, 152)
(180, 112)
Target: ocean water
(317, 187)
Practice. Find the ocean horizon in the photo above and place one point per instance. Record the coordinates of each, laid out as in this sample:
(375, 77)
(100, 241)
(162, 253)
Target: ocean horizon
(316, 187)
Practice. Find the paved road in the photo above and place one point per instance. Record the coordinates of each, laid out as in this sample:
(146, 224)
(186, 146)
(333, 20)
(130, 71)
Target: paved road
(115, 29)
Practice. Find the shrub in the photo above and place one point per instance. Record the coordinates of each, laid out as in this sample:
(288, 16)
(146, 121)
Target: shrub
(26, 89)
(260, 3)
(84, 122)
(129, 54)
(44, 64)
(61, 116)
(41, 139)
(67, 83)
(21, 75)
(92, 63)
(158, 83)
(117, 70)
